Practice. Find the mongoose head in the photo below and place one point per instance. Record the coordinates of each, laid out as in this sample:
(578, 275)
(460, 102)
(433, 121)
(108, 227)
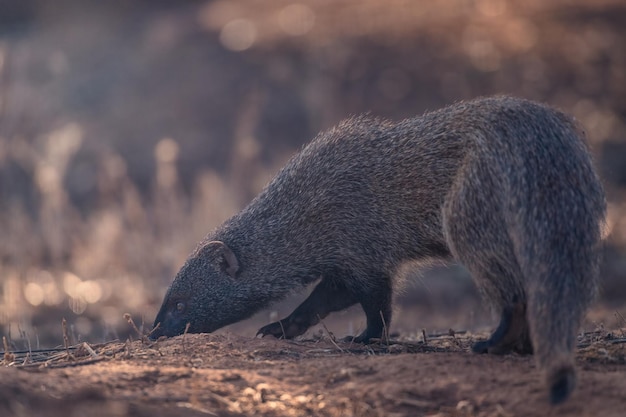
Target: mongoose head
(202, 294)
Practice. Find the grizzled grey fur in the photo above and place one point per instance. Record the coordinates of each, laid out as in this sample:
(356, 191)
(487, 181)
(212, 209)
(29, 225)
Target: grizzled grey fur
(502, 185)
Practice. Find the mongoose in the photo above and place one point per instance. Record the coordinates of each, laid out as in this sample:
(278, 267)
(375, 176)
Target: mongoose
(502, 185)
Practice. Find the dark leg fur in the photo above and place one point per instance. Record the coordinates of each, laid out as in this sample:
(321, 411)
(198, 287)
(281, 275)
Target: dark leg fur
(377, 307)
(330, 296)
(510, 335)
(327, 297)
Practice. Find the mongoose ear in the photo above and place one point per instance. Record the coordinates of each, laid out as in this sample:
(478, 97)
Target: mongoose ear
(229, 260)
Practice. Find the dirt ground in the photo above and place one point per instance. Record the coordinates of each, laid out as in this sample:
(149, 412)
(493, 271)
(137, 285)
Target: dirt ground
(233, 375)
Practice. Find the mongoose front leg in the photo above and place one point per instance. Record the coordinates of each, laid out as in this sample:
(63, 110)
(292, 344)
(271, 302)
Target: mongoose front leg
(327, 297)
(510, 335)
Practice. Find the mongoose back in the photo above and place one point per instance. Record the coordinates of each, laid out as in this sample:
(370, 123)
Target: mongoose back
(502, 185)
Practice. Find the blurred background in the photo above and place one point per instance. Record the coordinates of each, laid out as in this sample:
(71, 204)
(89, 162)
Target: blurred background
(130, 129)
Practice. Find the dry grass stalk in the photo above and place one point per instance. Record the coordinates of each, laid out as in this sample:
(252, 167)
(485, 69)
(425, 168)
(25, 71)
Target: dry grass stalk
(130, 321)
(66, 340)
(8, 356)
(331, 336)
(127, 354)
(385, 337)
(153, 330)
(185, 335)
(91, 352)
(623, 323)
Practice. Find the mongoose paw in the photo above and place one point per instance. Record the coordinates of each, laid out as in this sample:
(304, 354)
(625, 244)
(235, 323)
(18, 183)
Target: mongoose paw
(481, 347)
(364, 338)
(283, 329)
(275, 329)
(488, 346)
(522, 347)
(511, 335)
(353, 339)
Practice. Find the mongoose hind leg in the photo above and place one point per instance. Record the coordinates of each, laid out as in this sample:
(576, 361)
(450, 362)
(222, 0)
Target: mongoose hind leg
(476, 230)
(511, 335)
(376, 304)
(328, 296)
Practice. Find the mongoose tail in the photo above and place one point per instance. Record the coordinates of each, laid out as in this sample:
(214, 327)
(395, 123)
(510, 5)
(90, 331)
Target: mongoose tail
(561, 382)
(560, 257)
(555, 311)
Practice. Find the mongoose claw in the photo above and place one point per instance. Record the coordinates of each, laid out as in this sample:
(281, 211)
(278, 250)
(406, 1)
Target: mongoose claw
(363, 338)
(351, 339)
(283, 329)
(274, 329)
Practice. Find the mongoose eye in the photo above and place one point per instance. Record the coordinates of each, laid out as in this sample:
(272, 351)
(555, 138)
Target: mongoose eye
(180, 306)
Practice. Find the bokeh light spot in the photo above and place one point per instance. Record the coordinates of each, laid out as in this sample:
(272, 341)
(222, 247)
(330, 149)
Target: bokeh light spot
(238, 35)
(491, 8)
(90, 291)
(34, 293)
(166, 151)
(70, 284)
(296, 19)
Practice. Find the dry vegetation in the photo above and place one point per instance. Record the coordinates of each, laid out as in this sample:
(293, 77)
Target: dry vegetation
(130, 129)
